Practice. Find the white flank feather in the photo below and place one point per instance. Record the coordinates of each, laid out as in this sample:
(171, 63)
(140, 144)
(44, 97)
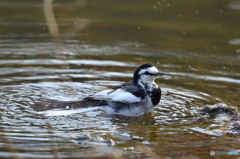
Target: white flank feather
(118, 95)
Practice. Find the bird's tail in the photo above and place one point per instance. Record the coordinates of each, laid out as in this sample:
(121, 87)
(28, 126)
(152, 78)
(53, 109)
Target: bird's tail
(42, 104)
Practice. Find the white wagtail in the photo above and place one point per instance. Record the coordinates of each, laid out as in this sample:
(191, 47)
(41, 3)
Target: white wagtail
(132, 98)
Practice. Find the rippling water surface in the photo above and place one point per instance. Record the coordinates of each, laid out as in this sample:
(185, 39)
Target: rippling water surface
(102, 43)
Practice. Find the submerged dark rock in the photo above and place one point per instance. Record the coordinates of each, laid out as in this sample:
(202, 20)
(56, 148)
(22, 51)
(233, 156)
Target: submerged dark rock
(219, 109)
(232, 126)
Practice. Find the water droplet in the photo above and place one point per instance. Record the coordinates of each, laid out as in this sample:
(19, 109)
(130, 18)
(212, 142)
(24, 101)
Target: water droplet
(237, 51)
(154, 6)
(234, 41)
(138, 28)
(184, 33)
(234, 5)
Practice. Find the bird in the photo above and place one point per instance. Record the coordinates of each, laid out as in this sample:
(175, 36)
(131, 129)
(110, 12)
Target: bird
(133, 98)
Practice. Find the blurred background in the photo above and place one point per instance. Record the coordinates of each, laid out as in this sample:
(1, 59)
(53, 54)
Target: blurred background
(69, 49)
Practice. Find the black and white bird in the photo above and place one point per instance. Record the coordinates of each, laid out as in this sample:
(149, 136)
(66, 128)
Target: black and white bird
(132, 98)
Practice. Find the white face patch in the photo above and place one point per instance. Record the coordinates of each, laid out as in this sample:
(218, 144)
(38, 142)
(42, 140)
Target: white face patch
(148, 79)
(152, 70)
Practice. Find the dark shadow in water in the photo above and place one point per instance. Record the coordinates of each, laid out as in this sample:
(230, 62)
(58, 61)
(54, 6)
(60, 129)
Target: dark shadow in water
(232, 126)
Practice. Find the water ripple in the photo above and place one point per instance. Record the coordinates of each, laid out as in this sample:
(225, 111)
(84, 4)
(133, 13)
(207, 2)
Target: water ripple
(65, 62)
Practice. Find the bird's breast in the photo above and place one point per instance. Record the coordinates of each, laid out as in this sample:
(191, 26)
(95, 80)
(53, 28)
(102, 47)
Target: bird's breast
(155, 96)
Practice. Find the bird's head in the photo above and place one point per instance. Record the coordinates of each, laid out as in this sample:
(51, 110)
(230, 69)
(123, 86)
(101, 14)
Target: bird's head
(146, 73)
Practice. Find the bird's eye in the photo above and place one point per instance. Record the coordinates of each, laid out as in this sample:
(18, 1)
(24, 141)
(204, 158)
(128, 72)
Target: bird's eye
(147, 73)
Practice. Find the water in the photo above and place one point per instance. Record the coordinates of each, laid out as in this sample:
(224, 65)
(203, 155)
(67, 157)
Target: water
(102, 43)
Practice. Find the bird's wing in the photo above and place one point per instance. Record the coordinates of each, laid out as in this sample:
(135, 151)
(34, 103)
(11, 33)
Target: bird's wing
(125, 94)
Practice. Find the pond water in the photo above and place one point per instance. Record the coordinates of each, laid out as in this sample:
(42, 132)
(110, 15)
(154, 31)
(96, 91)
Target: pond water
(100, 44)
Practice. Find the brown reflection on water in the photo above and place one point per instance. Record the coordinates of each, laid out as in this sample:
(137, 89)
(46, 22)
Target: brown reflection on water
(196, 43)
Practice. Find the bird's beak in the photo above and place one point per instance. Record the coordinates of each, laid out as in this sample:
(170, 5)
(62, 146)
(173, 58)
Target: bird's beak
(160, 74)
